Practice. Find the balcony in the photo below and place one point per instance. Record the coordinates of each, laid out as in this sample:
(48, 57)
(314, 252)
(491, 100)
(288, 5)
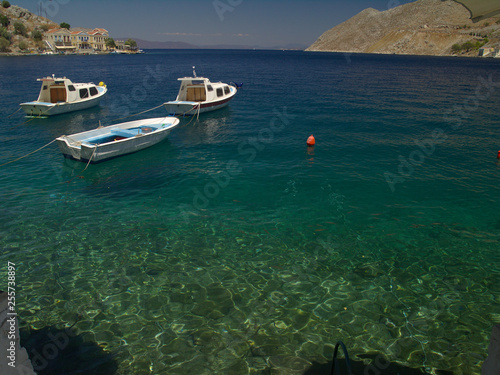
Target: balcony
(63, 44)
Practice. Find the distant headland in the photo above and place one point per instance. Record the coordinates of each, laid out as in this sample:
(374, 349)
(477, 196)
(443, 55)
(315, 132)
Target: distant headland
(423, 27)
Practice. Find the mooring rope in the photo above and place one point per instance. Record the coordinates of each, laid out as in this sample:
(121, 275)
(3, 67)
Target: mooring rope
(43, 113)
(88, 163)
(140, 113)
(14, 113)
(197, 117)
(137, 114)
(95, 149)
(31, 118)
(31, 153)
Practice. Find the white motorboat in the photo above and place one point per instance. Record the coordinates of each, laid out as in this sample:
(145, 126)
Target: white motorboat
(198, 95)
(111, 141)
(60, 95)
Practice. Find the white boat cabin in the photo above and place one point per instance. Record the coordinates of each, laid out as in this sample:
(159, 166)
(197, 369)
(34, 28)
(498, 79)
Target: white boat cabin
(198, 95)
(200, 89)
(57, 90)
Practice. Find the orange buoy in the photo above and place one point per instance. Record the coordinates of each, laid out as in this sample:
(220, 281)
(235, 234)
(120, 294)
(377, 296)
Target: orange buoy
(498, 155)
(311, 141)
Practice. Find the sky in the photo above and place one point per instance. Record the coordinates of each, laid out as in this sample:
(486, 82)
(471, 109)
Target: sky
(264, 23)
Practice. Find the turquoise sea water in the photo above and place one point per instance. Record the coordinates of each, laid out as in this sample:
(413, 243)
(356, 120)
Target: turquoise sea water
(232, 248)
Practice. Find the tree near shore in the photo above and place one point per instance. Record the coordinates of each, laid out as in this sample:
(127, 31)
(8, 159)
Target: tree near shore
(4, 20)
(4, 44)
(20, 29)
(110, 43)
(23, 45)
(37, 35)
(469, 46)
(64, 25)
(131, 43)
(5, 33)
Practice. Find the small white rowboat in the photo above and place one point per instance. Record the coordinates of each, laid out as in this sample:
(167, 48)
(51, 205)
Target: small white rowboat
(111, 141)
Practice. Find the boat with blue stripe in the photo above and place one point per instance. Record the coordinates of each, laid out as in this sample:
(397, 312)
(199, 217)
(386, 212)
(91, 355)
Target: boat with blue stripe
(103, 143)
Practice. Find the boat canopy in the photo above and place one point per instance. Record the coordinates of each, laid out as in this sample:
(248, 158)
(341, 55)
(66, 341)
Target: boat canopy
(54, 79)
(194, 80)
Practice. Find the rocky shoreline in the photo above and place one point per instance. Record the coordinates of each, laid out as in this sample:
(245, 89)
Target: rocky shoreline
(423, 27)
(17, 54)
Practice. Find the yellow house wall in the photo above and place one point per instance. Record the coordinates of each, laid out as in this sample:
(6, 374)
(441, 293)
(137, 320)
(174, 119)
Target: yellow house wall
(94, 41)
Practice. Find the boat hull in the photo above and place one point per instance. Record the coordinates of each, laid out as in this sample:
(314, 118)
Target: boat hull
(109, 142)
(39, 109)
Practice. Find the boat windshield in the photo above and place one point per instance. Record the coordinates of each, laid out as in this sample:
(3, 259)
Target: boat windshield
(197, 82)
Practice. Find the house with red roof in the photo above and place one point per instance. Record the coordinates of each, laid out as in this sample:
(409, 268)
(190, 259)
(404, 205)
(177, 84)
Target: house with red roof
(79, 40)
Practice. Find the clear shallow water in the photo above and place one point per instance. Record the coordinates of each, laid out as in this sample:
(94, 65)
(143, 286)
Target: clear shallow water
(232, 248)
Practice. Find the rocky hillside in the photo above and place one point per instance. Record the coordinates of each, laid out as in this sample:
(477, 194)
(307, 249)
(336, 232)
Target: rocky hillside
(424, 27)
(21, 30)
